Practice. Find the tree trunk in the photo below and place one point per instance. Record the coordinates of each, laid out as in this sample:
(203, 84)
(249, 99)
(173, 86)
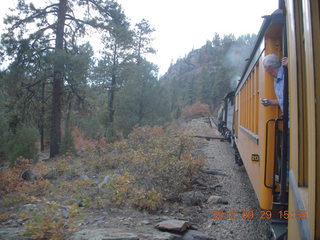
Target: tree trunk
(141, 102)
(111, 98)
(42, 112)
(55, 136)
(113, 86)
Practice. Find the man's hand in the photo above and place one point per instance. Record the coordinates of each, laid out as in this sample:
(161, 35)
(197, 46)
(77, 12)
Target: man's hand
(267, 102)
(284, 61)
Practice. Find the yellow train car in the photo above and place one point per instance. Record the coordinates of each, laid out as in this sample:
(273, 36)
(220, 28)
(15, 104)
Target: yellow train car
(255, 144)
(303, 31)
(262, 135)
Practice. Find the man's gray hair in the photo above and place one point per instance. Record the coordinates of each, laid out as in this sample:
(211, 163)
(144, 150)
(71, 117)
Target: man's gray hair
(271, 60)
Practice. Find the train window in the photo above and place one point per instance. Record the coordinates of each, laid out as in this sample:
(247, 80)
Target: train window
(302, 97)
(257, 101)
(249, 102)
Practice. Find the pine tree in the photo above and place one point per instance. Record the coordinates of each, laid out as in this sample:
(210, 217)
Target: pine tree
(116, 54)
(54, 29)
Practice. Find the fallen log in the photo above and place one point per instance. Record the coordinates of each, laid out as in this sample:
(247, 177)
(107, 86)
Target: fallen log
(213, 172)
(209, 138)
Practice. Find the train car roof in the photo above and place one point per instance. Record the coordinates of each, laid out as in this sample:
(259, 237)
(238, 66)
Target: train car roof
(275, 18)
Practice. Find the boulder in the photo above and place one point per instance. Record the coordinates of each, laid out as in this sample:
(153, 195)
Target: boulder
(217, 200)
(30, 175)
(193, 198)
(177, 226)
(105, 181)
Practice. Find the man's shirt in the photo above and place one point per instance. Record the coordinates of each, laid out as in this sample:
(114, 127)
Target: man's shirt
(278, 87)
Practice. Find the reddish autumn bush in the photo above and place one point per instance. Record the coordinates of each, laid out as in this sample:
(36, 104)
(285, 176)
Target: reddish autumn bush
(196, 110)
(82, 142)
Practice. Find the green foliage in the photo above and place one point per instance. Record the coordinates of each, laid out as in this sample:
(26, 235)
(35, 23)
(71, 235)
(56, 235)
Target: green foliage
(22, 143)
(67, 144)
(43, 52)
(111, 133)
(92, 127)
(139, 101)
(4, 128)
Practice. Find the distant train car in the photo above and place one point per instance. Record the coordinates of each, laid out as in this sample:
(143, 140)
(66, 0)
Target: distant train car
(262, 135)
(225, 116)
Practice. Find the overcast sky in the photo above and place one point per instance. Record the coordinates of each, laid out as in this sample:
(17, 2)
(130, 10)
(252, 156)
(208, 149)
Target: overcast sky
(183, 25)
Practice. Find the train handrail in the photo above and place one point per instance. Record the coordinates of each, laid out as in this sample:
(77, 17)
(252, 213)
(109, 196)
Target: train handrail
(266, 154)
(276, 149)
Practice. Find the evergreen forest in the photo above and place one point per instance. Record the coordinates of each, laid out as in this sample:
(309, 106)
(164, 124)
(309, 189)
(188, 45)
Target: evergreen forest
(53, 81)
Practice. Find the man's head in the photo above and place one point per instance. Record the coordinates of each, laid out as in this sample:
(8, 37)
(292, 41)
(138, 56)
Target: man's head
(272, 64)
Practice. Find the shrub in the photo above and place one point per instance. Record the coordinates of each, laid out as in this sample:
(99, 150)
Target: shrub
(50, 224)
(161, 163)
(67, 143)
(3, 137)
(122, 187)
(196, 110)
(149, 201)
(83, 143)
(91, 127)
(21, 144)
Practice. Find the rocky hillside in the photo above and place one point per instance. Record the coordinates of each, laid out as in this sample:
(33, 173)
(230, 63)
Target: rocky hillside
(208, 73)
